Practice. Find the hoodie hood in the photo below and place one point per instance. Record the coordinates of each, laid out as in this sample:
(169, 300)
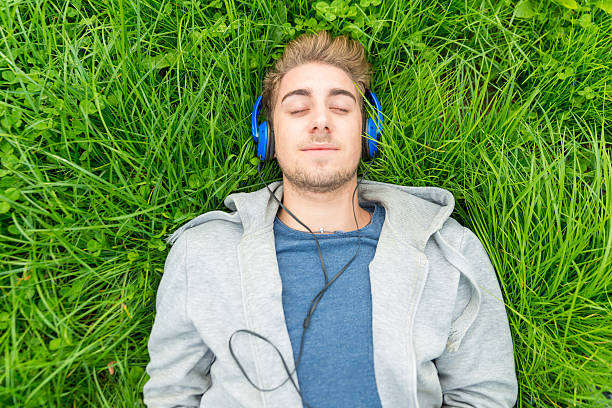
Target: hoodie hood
(434, 206)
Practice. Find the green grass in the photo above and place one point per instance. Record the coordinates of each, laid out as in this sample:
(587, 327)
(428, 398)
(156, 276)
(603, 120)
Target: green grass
(121, 120)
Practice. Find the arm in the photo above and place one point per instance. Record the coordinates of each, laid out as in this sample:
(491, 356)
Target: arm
(481, 372)
(180, 361)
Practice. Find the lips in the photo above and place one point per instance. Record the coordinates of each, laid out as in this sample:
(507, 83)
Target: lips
(320, 147)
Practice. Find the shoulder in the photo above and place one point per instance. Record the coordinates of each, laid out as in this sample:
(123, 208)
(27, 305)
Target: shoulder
(212, 226)
(453, 232)
(462, 238)
(210, 242)
(215, 230)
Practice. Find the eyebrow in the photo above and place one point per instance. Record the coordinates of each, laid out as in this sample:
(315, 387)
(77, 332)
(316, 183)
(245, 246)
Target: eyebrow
(307, 92)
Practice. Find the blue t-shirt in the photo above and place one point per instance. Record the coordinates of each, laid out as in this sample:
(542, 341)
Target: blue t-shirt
(337, 366)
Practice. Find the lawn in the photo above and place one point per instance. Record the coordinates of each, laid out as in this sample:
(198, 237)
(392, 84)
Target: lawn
(121, 120)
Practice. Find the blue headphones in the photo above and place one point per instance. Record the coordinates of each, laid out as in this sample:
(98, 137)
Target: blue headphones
(263, 135)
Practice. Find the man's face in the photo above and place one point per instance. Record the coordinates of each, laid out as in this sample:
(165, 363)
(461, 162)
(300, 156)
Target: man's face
(317, 127)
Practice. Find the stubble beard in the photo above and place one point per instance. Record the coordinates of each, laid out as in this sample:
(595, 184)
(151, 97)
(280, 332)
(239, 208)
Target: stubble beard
(316, 182)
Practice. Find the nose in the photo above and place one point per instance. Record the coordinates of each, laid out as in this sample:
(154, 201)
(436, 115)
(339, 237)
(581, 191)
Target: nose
(320, 121)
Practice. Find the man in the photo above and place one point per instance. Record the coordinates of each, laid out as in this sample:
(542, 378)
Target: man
(392, 304)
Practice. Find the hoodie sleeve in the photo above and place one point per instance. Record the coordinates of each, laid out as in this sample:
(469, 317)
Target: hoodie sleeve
(180, 361)
(480, 372)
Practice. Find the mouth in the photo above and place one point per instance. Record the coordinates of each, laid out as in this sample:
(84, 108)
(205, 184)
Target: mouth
(320, 148)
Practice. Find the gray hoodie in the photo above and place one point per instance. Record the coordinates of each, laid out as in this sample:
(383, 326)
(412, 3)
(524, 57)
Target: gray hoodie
(439, 326)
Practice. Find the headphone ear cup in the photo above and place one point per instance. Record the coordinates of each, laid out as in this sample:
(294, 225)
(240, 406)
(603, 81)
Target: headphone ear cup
(262, 143)
(365, 151)
(271, 143)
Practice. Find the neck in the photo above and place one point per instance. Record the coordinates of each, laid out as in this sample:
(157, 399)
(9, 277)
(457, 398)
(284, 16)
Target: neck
(331, 211)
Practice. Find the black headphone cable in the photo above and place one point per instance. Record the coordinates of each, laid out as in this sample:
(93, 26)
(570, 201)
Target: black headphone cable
(313, 304)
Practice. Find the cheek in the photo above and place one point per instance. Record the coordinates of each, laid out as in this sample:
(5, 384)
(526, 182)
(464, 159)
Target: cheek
(282, 142)
(357, 141)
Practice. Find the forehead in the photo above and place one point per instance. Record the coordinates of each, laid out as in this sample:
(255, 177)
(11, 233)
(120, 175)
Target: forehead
(317, 76)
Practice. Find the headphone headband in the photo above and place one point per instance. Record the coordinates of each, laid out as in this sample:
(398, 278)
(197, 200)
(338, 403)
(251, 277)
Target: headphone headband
(254, 116)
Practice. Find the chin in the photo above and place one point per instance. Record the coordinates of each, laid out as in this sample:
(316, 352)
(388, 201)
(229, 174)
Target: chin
(318, 180)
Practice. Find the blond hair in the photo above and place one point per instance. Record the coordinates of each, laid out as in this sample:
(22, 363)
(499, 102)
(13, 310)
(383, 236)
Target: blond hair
(340, 52)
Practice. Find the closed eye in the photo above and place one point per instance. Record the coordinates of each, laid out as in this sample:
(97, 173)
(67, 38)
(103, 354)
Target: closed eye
(304, 110)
